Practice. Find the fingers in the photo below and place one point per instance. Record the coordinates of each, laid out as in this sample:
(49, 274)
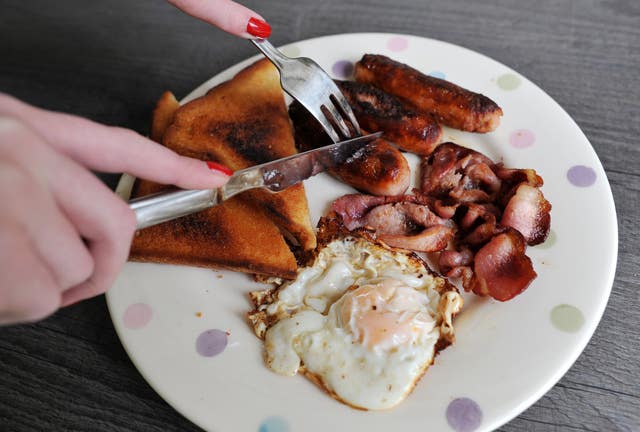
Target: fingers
(58, 206)
(33, 209)
(28, 291)
(105, 222)
(109, 255)
(113, 149)
(226, 15)
(77, 228)
(29, 280)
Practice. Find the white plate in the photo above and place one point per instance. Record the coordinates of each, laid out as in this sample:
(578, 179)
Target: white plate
(172, 320)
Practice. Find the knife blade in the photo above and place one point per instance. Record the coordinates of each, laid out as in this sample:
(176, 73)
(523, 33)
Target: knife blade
(283, 173)
(274, 176)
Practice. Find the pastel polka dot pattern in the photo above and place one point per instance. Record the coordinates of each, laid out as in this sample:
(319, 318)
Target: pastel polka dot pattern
(397, 44)
(550, 241)
(567, 318)
(211, 342)
(291, 51)
(342, 69)
(509, 81)
(274, 424)
(522, 138)
(185, 315)
(137, 316)
(464, 415)
(581, 176)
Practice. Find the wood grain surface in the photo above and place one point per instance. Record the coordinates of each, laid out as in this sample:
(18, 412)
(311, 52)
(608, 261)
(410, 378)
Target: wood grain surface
(110, 60)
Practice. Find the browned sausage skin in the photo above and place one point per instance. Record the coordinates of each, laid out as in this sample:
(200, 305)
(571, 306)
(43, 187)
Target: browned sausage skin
(381, 169)
(411, 130)
(452, 105)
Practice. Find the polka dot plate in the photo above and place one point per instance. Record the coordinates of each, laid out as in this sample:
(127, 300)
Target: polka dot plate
(186, 332)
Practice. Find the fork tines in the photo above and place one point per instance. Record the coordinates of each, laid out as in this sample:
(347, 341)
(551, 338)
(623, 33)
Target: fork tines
(310, 85)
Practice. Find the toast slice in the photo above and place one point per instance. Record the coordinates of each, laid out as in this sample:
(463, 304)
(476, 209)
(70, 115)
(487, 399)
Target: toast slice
(239, 123)
(163, 115)
(234, 235)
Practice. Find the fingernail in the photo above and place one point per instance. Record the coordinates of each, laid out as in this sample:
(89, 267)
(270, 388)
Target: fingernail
(258, 28)
(220, 168)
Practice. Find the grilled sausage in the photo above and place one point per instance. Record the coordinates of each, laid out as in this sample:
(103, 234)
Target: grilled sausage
(380, 169)
(452, 105)
(375, 110)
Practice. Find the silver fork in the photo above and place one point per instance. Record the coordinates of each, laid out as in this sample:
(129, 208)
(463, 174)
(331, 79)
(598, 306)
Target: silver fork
(310, 85)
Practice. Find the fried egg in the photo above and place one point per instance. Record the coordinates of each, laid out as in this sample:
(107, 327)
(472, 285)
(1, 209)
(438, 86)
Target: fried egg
(362, 321)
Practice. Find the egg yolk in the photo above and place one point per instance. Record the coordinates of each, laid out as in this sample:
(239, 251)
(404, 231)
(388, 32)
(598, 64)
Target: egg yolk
(385, 315)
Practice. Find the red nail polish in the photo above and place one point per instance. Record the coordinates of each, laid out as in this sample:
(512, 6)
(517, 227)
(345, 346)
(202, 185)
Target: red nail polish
(258, 28)
(219, 167)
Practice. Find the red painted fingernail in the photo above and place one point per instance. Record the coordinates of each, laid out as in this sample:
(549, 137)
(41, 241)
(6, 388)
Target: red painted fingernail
(219, 167)
(258, 28)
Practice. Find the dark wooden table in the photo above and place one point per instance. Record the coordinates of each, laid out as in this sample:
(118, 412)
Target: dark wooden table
(109, 61)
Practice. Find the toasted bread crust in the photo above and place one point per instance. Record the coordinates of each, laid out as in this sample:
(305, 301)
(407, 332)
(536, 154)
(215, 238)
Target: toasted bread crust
(241, 123)
(289, 210)
(234, 235)
(163, 115)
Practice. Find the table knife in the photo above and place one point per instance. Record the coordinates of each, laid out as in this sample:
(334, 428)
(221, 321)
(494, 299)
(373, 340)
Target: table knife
(273, 176)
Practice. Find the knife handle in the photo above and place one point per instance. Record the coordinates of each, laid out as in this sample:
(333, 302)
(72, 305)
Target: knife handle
(153, 209)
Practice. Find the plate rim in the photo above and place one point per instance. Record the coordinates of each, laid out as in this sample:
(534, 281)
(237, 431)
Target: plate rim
(581, 342)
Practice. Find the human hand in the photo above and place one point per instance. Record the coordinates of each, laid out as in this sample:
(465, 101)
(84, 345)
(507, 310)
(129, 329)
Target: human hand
(64, 235)
(228, 15)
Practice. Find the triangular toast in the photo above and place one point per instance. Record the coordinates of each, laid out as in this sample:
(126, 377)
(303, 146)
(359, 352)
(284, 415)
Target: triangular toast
(234, 235)
(239, 123)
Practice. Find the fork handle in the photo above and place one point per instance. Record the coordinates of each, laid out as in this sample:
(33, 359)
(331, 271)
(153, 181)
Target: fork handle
(271, 52)
(154, 209)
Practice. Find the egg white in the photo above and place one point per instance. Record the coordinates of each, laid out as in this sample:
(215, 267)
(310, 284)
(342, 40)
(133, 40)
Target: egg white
(304, 330)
